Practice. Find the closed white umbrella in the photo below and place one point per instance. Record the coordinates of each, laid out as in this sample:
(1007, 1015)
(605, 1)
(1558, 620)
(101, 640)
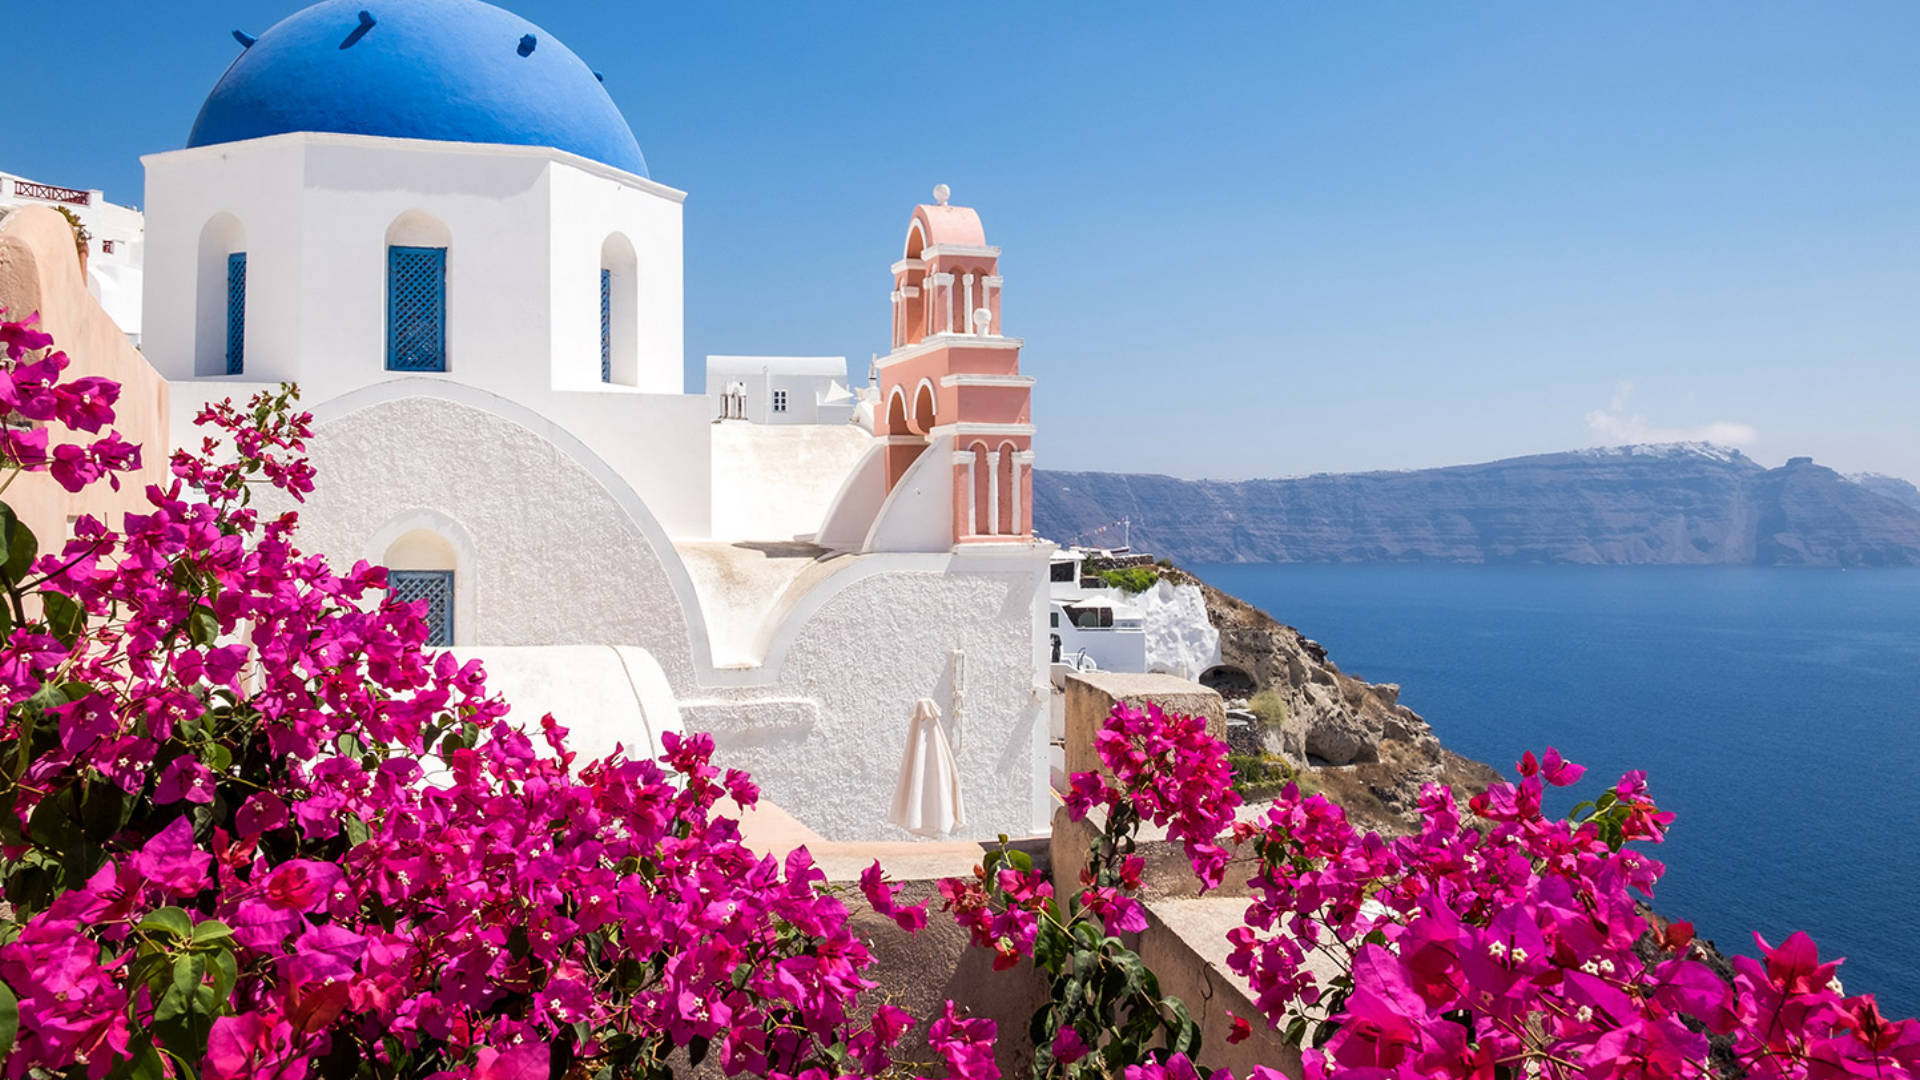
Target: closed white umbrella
(927, 800)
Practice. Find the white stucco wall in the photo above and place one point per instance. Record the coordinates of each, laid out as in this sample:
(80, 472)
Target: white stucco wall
(917, 515)
(825, 741)
(524, 229)
(851, 511)
(555, 559)
(606, 697)
(552, 556)
(775, 482)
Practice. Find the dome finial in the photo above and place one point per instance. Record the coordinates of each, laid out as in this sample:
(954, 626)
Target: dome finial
(941, 193)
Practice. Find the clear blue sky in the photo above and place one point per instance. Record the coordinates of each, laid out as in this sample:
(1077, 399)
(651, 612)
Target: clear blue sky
(1240, 241)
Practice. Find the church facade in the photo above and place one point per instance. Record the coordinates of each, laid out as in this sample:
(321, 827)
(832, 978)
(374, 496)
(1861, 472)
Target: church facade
(430, 215)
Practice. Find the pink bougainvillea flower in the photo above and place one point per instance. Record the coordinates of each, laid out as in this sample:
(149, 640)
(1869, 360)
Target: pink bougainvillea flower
(1558, 771)
(1068, 1047)
(171, 861)
(301, 884)
(526, 1061)
(250, 1046)
(882, 897)
(184, 778)
(966, 1044)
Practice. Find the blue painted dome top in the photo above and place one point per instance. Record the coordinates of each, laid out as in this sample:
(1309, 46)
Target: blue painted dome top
(451, 70)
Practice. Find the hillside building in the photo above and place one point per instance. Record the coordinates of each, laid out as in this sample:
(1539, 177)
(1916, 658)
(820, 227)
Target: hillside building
(430, 215)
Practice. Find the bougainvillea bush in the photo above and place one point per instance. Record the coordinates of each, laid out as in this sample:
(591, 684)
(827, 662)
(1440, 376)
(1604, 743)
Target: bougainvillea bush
(225, 855)
(1507, 944)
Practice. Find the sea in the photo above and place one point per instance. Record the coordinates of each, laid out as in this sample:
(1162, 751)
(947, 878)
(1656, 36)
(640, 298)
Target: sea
(1776, 711)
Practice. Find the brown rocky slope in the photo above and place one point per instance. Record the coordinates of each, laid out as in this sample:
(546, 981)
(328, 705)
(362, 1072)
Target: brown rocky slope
(1352, 739)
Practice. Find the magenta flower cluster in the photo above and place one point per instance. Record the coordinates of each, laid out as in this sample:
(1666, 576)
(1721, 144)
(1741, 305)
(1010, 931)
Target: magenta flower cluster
(1166, 769)
(253, 828)
(1518, 948)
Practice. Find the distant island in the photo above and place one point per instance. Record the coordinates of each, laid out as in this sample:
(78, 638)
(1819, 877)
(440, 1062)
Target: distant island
(1675, 503)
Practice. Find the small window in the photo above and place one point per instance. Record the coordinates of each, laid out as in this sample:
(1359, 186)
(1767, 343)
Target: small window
(236, 312)
(1062, 571)
(436, 588)
(416, 308)
(779, 401)
(606, 325)
(106, 247)
(1053, 619)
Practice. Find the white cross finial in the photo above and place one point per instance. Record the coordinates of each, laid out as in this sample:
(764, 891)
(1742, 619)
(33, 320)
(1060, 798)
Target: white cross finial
(941, 193)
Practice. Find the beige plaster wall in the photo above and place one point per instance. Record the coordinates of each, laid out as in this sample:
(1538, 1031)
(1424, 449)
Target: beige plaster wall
(40, 271)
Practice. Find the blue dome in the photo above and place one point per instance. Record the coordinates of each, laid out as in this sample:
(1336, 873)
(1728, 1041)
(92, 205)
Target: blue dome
(450, 70)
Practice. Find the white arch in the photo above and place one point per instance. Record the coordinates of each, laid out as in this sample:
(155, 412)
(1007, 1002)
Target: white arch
(466, 608)
(221, 236)
(789, 617)
(622, 265)
(418, 228)
(933, 407)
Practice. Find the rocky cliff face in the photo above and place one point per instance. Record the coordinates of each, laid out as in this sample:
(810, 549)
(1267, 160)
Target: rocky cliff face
(1360, 745)
(1675, 504)
(1892, 487)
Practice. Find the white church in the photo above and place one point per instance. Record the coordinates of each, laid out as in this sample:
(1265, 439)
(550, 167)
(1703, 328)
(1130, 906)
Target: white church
(430, 215)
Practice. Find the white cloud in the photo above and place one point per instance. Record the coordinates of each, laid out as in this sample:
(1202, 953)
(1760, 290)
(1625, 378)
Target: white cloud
(1618, 423)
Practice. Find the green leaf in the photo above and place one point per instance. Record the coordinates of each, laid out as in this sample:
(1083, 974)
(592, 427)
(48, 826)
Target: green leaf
(1296, 1032)
(9, 1013)
(188, 972)
(64, 616)
(17, 544)
(356, 829)
(203, 628)
(1021, 861)
(172, 1005)
(145, 1063)
(225, 973)
(217, 757)
(168, 920)
(210, 930)
(697, 1050)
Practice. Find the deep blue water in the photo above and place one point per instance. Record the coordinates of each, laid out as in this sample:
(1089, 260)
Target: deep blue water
(1776, 711)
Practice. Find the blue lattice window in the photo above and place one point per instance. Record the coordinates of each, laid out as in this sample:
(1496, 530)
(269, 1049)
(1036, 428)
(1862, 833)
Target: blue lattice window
(606, 325)
(416, 309)
(236, 312)
(436, 588)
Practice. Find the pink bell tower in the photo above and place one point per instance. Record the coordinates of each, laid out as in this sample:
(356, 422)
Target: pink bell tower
(953, 379)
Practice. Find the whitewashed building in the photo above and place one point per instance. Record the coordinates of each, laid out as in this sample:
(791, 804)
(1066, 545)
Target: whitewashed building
(116, 242)
(430, 215)
(780, 389)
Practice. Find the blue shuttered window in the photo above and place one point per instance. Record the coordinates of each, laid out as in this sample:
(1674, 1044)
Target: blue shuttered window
(606, 325)
(236, 312)
(436, 588)
(416, 309)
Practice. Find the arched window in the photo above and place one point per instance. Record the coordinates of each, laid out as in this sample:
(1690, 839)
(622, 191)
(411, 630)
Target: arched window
(897, 413)
(421, 567)
(619, 304)
(417, 245)
(1009, 473)
(913, 306)
(923, 408)
(982, 504)
(220, 324)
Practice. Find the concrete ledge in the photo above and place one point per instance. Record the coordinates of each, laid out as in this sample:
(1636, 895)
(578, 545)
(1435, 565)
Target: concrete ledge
(1185, 944)
(1092, 695)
